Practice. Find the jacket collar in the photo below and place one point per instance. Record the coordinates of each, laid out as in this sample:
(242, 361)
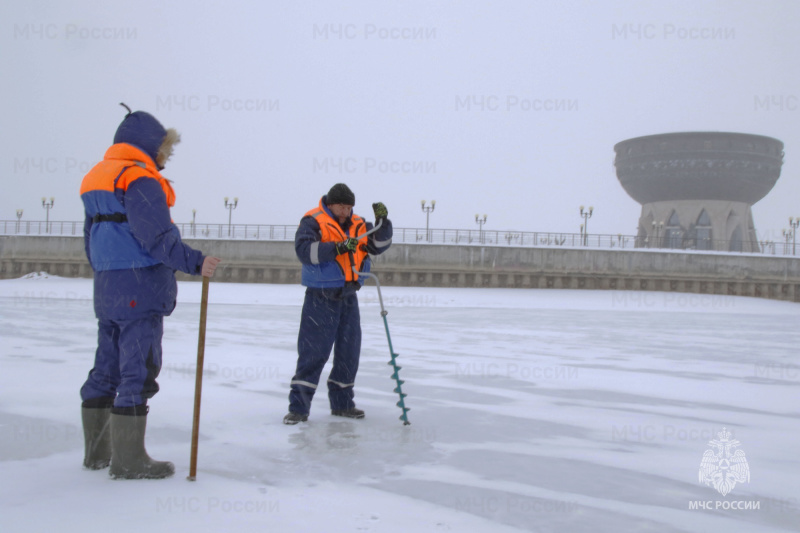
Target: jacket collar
(128, 152)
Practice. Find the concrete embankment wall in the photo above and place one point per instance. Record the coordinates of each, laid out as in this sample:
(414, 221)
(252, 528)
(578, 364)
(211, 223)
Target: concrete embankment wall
(463, 266)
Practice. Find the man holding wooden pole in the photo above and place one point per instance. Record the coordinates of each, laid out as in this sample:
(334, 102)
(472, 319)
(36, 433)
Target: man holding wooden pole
(134, 249)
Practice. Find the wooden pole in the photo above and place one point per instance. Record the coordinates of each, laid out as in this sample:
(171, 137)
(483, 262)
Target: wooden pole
(198, 384)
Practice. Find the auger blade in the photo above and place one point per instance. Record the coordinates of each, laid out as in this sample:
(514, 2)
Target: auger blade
(396, 375)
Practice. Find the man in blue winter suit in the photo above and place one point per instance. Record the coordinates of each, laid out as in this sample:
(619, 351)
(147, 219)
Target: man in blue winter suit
(329, 243)
(134, 249)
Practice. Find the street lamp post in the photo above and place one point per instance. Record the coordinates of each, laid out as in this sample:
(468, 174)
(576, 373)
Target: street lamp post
(787, 236)
(428, 210)
(19, 218)
(586, 216)
(794, 222)
(194, 215)
(230, 207)
(480, 222)
(48, 206)
(657, 230)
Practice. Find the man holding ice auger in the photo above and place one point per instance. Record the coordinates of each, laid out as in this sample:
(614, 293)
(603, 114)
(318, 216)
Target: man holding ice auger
(134, 249)
(328, 245)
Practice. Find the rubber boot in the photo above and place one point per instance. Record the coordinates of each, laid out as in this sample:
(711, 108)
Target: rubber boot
(348, 413)
(96, 416)
(129, 459)
(294, 418)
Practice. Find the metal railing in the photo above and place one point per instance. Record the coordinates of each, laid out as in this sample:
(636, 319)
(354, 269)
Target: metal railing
(272, 232)
(257, 232)
(40, 227)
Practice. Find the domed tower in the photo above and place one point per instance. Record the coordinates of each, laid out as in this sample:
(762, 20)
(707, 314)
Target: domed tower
(697, 188)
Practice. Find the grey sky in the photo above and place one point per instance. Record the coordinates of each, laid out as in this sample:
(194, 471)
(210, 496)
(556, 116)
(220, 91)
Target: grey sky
(508, 108)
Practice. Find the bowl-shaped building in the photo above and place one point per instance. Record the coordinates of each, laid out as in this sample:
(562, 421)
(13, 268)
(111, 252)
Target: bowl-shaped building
(697, 188)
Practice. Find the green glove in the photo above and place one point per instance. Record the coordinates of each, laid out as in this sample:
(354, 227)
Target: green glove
(347, 246)
(380, 211)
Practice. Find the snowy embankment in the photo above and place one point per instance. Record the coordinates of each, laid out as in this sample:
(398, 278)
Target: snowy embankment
(532, 410)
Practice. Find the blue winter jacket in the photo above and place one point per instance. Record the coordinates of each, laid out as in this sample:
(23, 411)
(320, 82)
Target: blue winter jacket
(135, 255)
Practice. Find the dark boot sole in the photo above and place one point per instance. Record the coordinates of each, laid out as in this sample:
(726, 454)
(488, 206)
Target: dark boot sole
(294, 421)
(97, 465)
(346, 414)
(167, 471)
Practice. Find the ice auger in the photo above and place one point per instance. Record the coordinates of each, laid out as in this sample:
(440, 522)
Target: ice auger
(393, 362)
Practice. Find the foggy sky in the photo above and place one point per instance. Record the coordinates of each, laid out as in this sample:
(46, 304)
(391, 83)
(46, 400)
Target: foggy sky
(509, 108)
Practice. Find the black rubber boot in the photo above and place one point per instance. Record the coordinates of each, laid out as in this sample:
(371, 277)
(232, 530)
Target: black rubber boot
(129, 459)
(293, 418)
(96, 417)
(348, 413)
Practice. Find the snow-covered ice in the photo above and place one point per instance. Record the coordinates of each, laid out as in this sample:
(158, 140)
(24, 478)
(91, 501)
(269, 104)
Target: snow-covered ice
(531, 410)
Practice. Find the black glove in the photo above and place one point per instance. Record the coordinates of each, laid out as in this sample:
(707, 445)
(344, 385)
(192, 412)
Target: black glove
(380, 211)
(347, 246)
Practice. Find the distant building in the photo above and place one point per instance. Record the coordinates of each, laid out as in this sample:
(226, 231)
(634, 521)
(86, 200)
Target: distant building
(697, 188)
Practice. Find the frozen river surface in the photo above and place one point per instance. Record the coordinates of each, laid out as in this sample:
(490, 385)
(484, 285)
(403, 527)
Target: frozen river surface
(531, 410)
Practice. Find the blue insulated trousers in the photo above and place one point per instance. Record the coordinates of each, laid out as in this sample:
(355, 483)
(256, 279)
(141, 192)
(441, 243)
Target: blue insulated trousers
(127, 361)
(327, 322)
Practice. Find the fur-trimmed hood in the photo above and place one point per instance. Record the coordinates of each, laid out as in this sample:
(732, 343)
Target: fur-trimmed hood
(143, 131)
(167, 146)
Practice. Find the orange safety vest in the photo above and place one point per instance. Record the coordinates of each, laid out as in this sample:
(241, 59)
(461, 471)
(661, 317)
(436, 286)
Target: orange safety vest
(332, 232)
(112, 172)
(112, 245)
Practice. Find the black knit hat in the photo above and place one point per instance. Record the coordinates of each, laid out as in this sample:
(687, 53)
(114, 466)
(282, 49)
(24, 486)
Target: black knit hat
(340, 194)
